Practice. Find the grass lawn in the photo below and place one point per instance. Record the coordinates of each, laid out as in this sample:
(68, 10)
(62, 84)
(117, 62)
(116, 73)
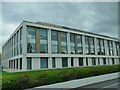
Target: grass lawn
(22, 80)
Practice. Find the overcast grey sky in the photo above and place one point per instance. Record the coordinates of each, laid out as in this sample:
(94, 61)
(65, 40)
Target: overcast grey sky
(97, 17)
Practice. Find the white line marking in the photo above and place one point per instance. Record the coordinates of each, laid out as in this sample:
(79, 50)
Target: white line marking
(111, 85)
(108, 86)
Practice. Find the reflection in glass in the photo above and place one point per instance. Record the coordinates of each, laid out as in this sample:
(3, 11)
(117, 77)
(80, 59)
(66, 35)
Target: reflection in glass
(72, 43)
(31, 37)
(43, 41)
(63, 42)
(54, 41)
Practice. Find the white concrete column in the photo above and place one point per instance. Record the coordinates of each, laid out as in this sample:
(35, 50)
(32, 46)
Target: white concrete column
(76, 63)
(84, 61)
(115, 60)
(69, 62)
(35, 63)
(15, 63)
(95, 42)
(105, 44)
(89, 62)
(101, 61)
(107, 63)
(83, 44)
(49, 41)
(49, 62)
(110, 60)
(24, 38)
(58, 62)
(96, 61)
(40, 63)
(24, 63)
(68, 42)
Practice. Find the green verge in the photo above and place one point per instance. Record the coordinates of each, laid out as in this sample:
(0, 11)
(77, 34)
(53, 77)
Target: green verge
(29, 79)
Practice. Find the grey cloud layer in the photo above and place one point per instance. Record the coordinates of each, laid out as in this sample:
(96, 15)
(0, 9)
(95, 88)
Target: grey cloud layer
(96, 17)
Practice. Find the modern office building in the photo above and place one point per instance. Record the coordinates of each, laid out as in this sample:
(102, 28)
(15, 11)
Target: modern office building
(38, 45)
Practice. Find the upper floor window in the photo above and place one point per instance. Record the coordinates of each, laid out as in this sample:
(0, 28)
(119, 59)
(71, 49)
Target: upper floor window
(89, 45)
(54, 41)
(43, 41)
(117, 47)
(31, 38)
(79, 44)
(72, 43)
(109, 47)
(63, 42)
(100, 47)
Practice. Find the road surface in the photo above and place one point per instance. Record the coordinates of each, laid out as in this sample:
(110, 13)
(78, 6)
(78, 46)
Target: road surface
(113, 84)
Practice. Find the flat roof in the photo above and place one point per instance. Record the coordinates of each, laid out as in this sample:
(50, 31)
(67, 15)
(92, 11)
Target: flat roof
(59, 26)
(66, 27)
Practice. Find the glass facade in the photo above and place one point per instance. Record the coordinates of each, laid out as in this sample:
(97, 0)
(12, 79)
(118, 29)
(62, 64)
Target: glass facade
(64, 62)
(100, 47)
(110, 48)
(43, 41)
(108, 61)
(72, 43)
(16, 63)
(98, 61)
(44, 62)
(92, 46)
(80, 61)
(31, 38)
(72, 62)
(117, 48)
(86, 61)
(63, 42)
(54, 41)
(89, 45)
(53, 62)
(20, 63)
(113, 61)
(38, 43)
(79, 44)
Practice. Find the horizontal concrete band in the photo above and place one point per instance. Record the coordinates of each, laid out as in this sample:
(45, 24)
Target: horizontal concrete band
(82, 82)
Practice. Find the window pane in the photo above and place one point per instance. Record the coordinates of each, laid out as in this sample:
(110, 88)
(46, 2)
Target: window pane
(63, 42)
(79, 44)
(53, 62)
(72, 62)
(31, 46)
(80, 61)
(64, 62)
(86, 45)
(43, 41)
(54, 41)
(44, 62)
(72, 43)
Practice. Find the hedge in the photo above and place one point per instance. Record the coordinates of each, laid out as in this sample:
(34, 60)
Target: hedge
(29, 79)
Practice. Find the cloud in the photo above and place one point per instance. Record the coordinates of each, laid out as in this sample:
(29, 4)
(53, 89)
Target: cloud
(98, 17)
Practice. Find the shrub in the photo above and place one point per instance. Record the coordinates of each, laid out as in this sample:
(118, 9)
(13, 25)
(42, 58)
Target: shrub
(29, 79)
